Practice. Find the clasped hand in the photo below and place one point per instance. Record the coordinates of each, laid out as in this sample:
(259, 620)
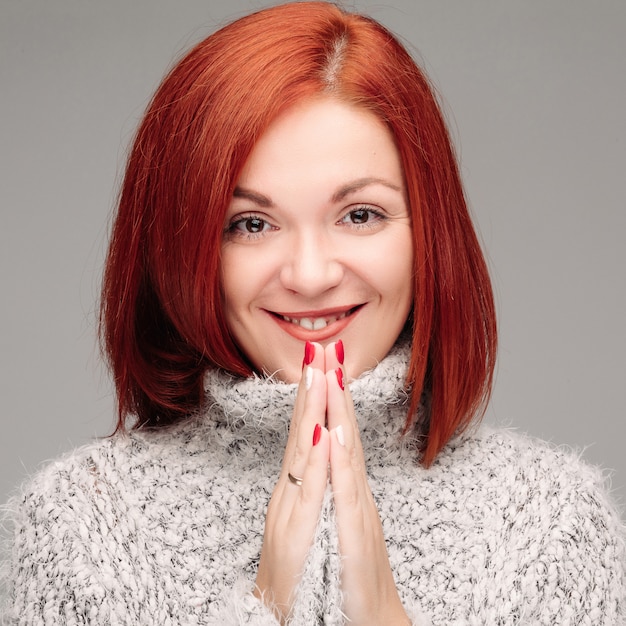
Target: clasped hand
(324, 434)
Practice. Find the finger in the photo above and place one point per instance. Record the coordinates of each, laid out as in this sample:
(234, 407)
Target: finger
(308, 432)
(367, 579)
(342, 470)
(340, 409)
(357, 516)
(290, 526)
(313, 357)
(334, 355)
(296, 508)
(308, 497)
(347, 464)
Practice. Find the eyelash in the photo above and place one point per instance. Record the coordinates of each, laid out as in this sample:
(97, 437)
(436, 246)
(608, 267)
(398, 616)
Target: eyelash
(232, 230)
(371, 223)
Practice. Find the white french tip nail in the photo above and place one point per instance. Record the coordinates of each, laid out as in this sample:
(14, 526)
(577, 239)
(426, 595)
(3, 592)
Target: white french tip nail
(308, 378)
(339, 433)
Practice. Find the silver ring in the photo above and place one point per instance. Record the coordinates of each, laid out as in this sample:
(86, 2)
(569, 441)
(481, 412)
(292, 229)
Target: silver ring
(294, 479)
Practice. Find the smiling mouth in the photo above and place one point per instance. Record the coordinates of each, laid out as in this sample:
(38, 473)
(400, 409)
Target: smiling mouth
(318, 323)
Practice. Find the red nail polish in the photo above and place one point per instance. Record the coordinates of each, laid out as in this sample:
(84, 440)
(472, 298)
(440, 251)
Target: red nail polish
(339, 351)
(317, 434)
(339, 374)
(309, 354)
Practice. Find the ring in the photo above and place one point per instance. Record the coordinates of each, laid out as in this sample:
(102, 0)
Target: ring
(294, 479)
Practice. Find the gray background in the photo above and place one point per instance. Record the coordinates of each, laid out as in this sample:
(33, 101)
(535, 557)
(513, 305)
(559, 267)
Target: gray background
(536, 98)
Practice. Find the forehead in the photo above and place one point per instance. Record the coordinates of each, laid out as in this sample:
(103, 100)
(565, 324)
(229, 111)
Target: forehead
(323, 140)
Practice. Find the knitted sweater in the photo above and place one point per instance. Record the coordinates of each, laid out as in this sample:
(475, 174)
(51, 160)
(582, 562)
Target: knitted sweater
(166, 527)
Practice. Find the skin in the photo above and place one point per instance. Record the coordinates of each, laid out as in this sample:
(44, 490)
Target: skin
(370, 594)
(319, 228)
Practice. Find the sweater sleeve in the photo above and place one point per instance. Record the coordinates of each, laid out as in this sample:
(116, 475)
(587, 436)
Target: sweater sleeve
(72, 560)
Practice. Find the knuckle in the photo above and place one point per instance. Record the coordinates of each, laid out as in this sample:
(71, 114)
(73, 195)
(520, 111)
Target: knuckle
(299, 457)
(356, 462)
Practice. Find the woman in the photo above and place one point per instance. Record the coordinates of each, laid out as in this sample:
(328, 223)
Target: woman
(297, 312)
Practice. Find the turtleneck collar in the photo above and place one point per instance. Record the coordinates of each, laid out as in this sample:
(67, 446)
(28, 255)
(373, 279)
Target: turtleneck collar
(260, 407)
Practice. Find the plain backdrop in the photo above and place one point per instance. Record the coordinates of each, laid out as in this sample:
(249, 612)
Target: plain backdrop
(535, 93)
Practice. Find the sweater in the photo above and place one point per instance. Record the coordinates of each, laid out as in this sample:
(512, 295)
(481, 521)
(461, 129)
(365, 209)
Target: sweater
(166, 526)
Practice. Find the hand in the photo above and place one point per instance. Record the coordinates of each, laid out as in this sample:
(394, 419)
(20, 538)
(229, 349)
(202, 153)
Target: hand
(370, 595)
(293, 510)
(369, 590)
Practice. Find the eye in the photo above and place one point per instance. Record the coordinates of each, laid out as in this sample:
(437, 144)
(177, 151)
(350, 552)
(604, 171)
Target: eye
(251, 225)
(362, 217)
(248, 227)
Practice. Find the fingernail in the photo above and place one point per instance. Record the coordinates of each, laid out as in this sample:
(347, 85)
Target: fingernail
(317, 434)
(339, 351)
(309, 354)
(339, 433)
(339, 374)
(308, 378)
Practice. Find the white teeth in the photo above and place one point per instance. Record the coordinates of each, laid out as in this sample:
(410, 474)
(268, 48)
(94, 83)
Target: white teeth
(316, 323)
(312, 324)
(306, 323)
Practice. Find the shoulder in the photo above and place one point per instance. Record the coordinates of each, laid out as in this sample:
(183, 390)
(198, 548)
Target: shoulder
(47, 512)
(75, 504)
(548, 494)
(80, 480)
(514, 456)
(527, 486)
(64, 489)
(546, 517)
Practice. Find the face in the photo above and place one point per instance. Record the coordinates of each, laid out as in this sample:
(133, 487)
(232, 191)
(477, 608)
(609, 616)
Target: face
(317, 241)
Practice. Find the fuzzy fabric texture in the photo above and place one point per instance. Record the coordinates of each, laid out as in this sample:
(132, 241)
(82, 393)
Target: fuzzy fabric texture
(166, 527)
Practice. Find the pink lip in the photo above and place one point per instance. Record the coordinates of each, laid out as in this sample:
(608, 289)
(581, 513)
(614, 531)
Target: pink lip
(318, 312)
(323, 334)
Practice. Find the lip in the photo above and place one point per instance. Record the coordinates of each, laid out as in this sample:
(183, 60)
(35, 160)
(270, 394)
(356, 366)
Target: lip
(329, 331)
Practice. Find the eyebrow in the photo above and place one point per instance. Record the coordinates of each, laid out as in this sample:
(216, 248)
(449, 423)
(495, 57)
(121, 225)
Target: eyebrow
(361, 183)
(257, 198)
(343, 191)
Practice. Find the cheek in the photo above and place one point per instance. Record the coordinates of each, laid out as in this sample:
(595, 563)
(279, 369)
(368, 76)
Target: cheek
(395, 271)
(246, 274)
(405, 277)
(234, 283)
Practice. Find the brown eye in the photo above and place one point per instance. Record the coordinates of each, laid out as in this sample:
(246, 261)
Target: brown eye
(253, 225)
(362, 217)
(359, 216)
(249, 225)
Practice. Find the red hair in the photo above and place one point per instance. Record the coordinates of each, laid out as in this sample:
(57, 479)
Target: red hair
(162, 318)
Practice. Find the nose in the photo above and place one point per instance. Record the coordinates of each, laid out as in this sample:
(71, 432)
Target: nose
(312, 265)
